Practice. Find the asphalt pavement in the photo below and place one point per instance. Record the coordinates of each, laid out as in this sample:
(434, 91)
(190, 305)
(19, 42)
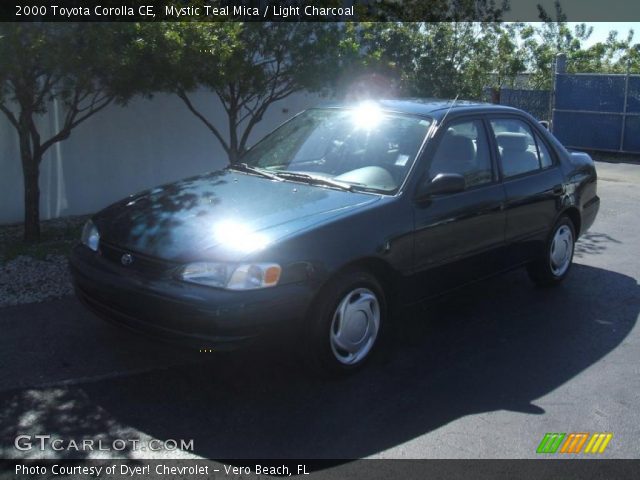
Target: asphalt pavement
(483, 373)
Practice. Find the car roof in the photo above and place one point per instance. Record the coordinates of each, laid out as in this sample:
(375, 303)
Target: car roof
(429, 107)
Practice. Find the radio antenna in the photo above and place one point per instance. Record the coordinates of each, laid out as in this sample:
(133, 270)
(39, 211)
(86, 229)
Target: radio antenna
(448, 110)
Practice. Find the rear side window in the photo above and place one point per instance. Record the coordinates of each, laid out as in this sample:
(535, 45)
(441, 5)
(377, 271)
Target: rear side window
(545, 157)
(519, 151)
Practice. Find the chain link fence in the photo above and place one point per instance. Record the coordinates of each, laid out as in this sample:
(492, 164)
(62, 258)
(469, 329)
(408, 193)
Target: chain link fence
(536, 102)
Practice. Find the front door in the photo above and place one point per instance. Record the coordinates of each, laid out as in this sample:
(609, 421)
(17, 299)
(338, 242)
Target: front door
(458, 236)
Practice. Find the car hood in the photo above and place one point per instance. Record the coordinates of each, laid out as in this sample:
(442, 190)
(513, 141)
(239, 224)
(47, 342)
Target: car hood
(220, 215)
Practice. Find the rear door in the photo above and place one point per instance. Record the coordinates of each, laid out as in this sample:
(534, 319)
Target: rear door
(533, 185)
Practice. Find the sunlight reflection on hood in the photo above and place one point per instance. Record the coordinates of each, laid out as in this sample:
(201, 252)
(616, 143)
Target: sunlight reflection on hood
(237, 236)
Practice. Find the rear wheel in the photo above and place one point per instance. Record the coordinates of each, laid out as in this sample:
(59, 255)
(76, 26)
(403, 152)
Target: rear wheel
(556, 263)
(348, 320)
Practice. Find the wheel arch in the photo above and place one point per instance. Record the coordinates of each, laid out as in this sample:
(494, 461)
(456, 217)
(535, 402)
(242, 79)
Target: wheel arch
(574, 215)
(375, 266)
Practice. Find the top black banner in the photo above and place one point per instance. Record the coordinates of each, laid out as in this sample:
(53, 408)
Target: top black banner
(316, 11)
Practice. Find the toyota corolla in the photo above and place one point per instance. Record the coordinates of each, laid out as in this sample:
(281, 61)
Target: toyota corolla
(334, 218)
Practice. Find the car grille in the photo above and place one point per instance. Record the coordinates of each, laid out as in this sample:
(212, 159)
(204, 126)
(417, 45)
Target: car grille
(141, 263)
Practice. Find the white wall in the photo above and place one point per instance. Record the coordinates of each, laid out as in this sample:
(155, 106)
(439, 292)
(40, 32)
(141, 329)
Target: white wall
(123, 150)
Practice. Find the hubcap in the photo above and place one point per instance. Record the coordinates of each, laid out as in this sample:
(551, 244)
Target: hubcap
(561, 250)
(355, 326)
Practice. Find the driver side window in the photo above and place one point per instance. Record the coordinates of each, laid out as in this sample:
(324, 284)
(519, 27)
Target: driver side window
(464, 149)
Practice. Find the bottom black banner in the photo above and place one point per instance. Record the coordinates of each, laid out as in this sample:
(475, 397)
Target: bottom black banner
(319, 469)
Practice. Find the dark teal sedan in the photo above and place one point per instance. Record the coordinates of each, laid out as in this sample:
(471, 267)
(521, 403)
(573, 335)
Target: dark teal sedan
(334, 219)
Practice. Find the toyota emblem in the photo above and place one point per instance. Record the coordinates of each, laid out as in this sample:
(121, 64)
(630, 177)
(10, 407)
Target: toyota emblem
(126, 259)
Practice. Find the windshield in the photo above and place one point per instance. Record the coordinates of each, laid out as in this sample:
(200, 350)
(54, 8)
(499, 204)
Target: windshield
(364, 148)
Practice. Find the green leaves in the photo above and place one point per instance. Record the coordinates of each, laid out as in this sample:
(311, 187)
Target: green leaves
(246, 66)
(445, 59)
(84, 67)
(441, 59)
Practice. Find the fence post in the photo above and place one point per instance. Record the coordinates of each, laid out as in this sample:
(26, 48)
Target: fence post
(624, 109)
(490, 95)
(560, 68)
(561, 63)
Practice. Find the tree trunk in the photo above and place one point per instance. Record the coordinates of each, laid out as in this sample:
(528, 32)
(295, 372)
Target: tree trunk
(31, 175)
(234, 153)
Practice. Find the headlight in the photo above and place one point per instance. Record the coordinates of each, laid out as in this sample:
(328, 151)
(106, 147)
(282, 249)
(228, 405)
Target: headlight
(249, 276)
(90, 236)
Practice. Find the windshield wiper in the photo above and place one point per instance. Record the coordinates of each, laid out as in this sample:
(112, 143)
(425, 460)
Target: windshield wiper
(315, 180)
(243, 167)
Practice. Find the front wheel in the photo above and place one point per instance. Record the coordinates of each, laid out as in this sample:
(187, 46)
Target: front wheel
(347, 323)
(556, 263)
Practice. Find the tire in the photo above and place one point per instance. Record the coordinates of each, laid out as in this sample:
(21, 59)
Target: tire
(554, 267)
(352, 307)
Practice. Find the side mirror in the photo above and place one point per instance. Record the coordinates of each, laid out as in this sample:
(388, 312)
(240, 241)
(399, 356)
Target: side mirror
(441, 184)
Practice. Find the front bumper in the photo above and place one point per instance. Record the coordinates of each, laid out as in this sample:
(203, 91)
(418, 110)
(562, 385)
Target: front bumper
(198, 316)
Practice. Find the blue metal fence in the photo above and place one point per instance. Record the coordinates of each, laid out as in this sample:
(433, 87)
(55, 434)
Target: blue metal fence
(598, 112)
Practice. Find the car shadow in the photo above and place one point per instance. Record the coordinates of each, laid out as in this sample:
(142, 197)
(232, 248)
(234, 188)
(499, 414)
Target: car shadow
(593, 243)
(615, 157)
(499, 344)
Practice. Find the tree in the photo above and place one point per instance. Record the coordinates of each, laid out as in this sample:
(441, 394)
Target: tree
(503, 55)
(462, 48)
(75, 65)
(441, 10)
(456, 60)
(376, 59)
(545, 42)
(620, 55)
(261, 64)
(447, 59)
